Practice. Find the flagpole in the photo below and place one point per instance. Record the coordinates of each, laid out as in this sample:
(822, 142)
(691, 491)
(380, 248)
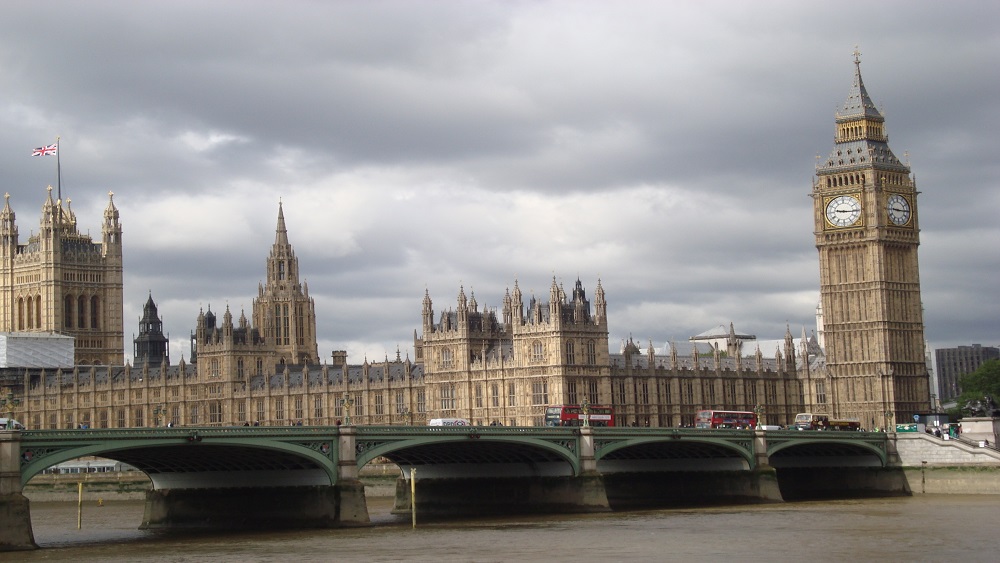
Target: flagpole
(58, 175)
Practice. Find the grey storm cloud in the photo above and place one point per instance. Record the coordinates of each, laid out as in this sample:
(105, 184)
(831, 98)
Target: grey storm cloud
(666, 149)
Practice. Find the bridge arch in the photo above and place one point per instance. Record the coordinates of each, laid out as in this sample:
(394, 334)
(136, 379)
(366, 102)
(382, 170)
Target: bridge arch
(670, 453)
(194, 460)
(826, 451)
(473, 453)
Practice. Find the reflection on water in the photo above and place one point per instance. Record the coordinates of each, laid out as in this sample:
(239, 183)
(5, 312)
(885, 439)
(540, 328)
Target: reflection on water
(924, 527)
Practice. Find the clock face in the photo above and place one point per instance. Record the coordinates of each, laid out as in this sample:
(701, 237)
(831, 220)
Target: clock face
(898, 209)
(843, 211)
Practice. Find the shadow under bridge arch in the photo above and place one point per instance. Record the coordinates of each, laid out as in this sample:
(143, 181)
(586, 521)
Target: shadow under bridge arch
(827, 452)
(475, 456)
(210, 464)
(673, 453)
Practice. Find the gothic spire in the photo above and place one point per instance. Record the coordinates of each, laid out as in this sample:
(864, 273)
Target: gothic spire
(858, 103)
(281, 235)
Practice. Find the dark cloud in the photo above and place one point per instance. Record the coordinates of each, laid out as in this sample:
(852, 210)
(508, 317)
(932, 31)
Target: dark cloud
(667, 149)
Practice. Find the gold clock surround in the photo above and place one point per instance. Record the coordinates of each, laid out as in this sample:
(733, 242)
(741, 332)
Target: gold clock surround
(843, 211)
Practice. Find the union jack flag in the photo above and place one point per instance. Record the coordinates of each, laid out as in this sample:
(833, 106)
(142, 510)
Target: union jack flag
(46, 150)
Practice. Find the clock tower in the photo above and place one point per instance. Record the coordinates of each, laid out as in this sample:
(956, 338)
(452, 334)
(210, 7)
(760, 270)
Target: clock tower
(867, 234)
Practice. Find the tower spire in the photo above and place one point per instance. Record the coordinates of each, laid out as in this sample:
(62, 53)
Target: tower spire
(281, 234)
(858, 103)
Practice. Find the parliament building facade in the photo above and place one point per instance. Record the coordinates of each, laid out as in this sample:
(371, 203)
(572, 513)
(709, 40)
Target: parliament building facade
(489, 365)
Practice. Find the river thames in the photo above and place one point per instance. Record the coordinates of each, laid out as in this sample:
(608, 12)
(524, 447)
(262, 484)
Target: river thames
(919, 528)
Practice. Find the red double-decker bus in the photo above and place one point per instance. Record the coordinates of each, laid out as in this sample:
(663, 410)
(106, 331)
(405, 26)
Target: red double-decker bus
(572, 415)
(740, 420)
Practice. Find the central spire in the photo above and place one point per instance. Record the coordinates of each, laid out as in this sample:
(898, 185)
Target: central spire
(281, 235)
(858, 103)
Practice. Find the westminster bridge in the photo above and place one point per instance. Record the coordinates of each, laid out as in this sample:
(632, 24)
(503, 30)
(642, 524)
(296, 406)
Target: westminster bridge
(307, 476)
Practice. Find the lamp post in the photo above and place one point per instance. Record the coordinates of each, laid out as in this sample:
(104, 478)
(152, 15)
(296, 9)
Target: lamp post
(888, 420)
(405, 412)
(8, 403)
(586, 412)
(759, 410)
(348, 403)
(157, 412)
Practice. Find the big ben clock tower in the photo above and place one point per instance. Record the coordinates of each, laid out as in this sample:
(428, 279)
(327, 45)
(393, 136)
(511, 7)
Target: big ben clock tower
(867, 234)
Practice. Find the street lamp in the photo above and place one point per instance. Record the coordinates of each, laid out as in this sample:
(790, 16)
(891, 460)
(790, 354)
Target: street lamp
(888, 420)
(8, 403)
(348, 403)
(759, 410)
(586, 412)
(159, 410)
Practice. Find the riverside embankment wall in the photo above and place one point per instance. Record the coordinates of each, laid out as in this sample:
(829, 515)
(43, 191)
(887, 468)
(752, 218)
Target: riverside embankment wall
(953, 467)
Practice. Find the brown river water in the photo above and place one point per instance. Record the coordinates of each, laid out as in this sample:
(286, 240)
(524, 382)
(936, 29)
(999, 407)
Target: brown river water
(919, 528)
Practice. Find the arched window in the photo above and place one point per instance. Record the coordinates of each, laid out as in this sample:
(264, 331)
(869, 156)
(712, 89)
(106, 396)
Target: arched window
(215, 412)
(570, 354)
(591, 352)
(537, 351)
(38, 311)
(277, 323)
(81, 312)
(67, 312)
(95, 312)
(20, 313)
(284, 319)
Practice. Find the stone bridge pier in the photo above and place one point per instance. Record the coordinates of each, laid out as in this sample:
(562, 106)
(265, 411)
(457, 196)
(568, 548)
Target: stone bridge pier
(15, 514)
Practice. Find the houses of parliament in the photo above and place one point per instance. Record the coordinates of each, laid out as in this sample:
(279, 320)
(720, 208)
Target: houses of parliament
(487, 365)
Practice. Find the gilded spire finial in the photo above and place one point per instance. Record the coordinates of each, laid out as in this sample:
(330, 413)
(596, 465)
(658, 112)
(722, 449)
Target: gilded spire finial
(857, 55)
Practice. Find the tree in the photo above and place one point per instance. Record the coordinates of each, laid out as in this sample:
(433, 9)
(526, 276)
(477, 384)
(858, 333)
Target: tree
(985, 381)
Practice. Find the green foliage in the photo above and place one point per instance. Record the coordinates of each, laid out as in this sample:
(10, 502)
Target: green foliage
(984, 381)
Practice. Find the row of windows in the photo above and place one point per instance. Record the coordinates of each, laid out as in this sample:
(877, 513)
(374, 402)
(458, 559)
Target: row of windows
(447, 356)
(589, 392)
(212, 412)
(29, 313)
(858, 131)
(282, 324)
(92, 277)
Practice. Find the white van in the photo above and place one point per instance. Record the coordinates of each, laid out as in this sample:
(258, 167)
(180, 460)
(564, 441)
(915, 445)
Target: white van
(449, 422)
(10, 424)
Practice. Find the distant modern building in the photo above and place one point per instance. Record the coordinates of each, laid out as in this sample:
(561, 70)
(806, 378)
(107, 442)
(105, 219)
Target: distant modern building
(953, 363)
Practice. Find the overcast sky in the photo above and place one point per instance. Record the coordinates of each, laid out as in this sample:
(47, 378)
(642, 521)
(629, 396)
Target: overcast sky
(665, 148)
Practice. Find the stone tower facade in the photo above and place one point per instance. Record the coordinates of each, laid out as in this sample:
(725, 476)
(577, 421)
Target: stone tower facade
(62, 281)
(283, 309)
(151, 346)
(508, 368)
(867, 234)
(283, 330)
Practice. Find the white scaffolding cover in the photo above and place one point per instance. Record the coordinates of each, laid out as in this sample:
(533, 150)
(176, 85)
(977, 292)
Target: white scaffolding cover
(29, 350)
